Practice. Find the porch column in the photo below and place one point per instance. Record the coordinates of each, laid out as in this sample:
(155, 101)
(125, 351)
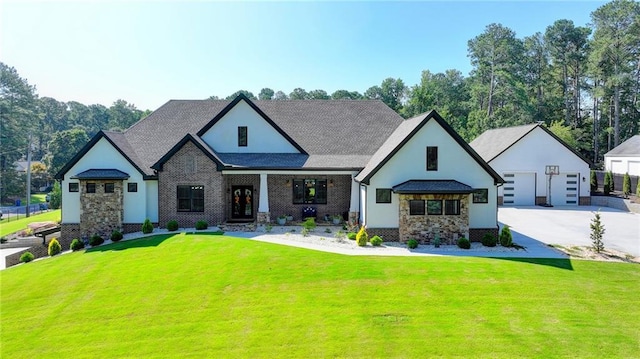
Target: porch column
(263, 206)
(354, 204)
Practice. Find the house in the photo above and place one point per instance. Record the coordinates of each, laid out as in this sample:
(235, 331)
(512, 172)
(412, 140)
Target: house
(522, 156)
(625, 158)
(251, 161)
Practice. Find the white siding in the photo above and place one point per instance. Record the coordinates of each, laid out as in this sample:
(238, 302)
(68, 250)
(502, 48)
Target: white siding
(622, 165)
(262, 137)
(518, 189)
(152, 200)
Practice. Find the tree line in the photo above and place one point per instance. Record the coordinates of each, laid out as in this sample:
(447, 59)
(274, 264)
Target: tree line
(582, 82)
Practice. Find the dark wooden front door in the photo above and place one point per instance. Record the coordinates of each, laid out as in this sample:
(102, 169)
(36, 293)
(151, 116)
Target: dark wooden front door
(242, 202)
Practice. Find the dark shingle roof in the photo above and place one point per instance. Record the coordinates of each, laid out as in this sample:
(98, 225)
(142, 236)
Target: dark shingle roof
(102, 173)
(630, 147)
(290, 160)
(432, 186)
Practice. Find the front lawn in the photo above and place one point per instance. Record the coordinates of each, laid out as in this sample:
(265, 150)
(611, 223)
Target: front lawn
(8, 226)
(204, 296)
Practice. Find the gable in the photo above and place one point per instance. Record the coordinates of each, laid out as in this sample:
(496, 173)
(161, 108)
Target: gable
(263, 135)
(197, 142)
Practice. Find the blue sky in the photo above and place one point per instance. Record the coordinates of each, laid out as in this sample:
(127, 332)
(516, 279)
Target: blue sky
(149, 52)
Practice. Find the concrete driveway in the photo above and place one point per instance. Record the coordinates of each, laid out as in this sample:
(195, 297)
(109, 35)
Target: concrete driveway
(570, 226)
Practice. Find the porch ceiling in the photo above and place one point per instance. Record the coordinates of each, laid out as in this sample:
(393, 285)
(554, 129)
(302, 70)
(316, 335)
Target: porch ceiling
(432, 186)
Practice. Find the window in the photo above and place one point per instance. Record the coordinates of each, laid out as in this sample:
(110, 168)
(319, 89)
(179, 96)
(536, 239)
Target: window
(383, 195)
(91, 188)
(481, 195)
(452, 206)
(132, 187)
(74, 187)
(190, 198)
(432, 158)
(416, 207)
(109, 187)
(434, 207)
(310, 191)
(242, 136)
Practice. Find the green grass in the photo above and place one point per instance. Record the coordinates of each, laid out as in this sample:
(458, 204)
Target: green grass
(14, 225)
(204, 296)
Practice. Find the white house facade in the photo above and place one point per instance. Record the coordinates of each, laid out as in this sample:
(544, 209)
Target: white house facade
(625, 158)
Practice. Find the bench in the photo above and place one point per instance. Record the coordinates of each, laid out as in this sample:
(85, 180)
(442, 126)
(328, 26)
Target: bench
(45, 232)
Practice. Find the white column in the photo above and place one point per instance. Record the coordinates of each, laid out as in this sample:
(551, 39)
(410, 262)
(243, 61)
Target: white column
(354, 205)
(264, 194)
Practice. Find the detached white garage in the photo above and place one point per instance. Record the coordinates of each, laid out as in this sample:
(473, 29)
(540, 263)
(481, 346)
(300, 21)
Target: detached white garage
(625, 158)
(522, 154)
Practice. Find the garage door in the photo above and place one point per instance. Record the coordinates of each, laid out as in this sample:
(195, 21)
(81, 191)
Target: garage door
(519, 189)
(565, 189)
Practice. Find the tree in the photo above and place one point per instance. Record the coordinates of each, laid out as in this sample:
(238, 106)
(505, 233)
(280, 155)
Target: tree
(597, 232)
(52, 118)
(55, 200)
(122, 115)
(638, 188)
(318, 95)
(266, 94)
(346, 95)
(248, 94)
(594, 181)
(607, 187)
(626, 185)
(299, 94)
(564, 133)
(63, 146)
(537, 76)
(280, 96)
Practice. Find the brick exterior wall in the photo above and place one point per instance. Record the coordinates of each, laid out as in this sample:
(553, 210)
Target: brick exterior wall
(101, 212)
(189, 166)
(476, 234)
(387, 234)
(241, 180)
(541, 200)
(425, 227)
(585, 201)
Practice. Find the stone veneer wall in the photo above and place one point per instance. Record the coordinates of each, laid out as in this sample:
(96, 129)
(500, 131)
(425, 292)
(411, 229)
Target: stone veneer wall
(425, 227)
(281, 196)
(100, 212)
(189, 166)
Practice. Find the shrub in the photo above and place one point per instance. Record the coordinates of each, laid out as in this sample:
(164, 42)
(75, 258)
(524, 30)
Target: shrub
(201, 224)
(116, 236)
(638, 188)
(436, 241)
(95, 240)
(327, 230)
(172, 225)
(597, 231)
(268, 227)
(26, 257)
(55, 200)
(506, 239)
(362, 237)
(352, 236)
(488, 240)
(309, 224)
(594, 181)
(626, 184)
(376, 241)
(412, 243)
(304, 232)
(76, 244)
(54, 247)
(464, 243)
(340, 235)
(147, 227)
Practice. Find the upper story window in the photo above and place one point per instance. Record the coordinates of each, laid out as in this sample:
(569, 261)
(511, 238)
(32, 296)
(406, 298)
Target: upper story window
(91, 188)
(432, 158)
(481, 195)
(243, 136)
(310, 191)
(132, 187)
(73, 186)
(383, 195)
(109, 187)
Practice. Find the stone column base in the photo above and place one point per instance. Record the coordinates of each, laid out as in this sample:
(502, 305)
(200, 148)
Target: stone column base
(264, 217)
(354, 218)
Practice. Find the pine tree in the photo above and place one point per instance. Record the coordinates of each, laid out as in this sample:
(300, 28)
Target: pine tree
(608, 183)
(626, 185)
(594, 182)
(597, 231)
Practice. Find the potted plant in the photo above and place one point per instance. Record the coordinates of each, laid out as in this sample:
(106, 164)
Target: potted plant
(282, 220)
(289, 217)
(336, 219)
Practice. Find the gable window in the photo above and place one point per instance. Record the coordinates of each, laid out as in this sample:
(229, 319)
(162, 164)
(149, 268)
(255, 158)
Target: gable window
(434, 207)
(481, 195)
(91, 188)
(432, 158)
(383, 195)
(109, 187)
(416, 207)
(132, 187)
(74, 187)
(242, 136)
(190, 198)
(310, 191)
(452, 206)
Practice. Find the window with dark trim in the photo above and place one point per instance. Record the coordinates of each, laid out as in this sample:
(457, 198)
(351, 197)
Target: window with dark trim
(242, 136)
(434, 207)
(481, 195)
(109, 187)
(383, 195)
(452, 206)
(74, 187)
(310, 191)
(190, 198)
(416, 207)
(432, 158)
(91, 188)
(132, 187)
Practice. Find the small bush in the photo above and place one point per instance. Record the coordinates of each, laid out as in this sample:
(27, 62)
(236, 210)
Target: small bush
(412, 244)
(352, 236)
(327, 230)
(594, 181)
(488, 240)
(506, 239)
(116, 236)
(54, 247)
(340, 236)
(304, 232)
(147, 227)
(626, 184)
(376, 241)
(26, 257)
(268, 227)
(172, 225)
(76, 245)
(95, 240)
(362, 237)
(597, 232)
(436, 241)
(201, 224)
(638, 188)
(309, 224)
(464, 243)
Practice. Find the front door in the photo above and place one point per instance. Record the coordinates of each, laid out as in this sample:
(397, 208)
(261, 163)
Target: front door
(242, 202)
